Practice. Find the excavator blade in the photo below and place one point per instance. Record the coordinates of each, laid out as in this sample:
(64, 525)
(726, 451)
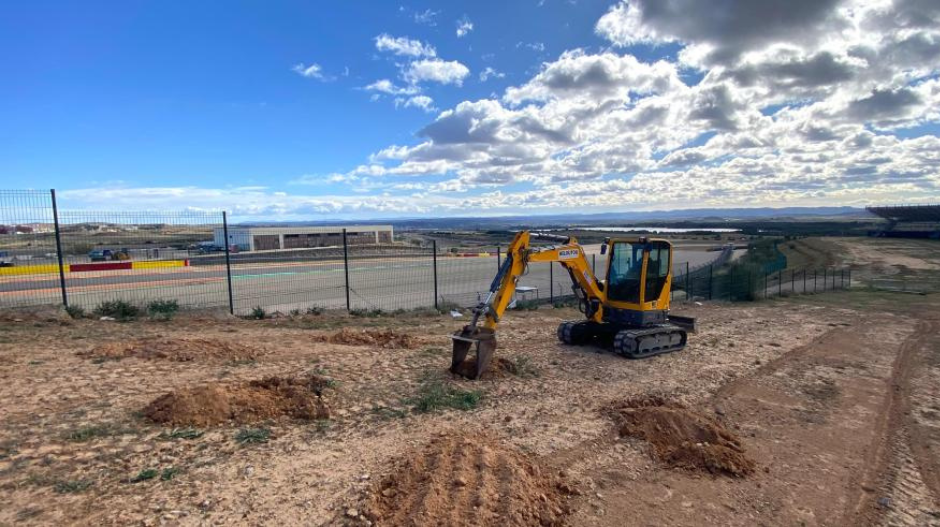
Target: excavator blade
(482, 341)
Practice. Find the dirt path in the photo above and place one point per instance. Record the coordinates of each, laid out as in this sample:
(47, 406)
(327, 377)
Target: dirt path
(833, 425)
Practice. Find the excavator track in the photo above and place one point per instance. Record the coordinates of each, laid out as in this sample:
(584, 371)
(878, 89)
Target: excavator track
(647, 342)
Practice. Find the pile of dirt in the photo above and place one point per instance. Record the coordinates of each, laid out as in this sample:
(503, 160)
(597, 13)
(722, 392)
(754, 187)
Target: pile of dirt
(178, 350)
(463, 478)
(500, 367)
(37, 315)
(681, 437)
(379, 338)
(215, 403)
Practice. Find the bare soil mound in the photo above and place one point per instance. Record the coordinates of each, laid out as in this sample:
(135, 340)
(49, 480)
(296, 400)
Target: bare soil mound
(178, 350)
(466, 479)
(214, 403)
(681, 437)
(379, 338)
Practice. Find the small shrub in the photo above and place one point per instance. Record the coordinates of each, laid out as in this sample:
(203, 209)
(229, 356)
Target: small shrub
(446, 306)
(294, 312)
(436, 395)
(163, 309)
(117, 309)
(75, 312)
(314, 310)
(71, 487)
(169, 473)
(247, 436)
(565, 303)
(184, 433)
(145, 475)
(87, 433)
(258, 313)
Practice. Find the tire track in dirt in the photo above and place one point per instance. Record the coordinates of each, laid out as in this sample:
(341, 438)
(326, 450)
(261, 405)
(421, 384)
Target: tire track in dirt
(901, 467)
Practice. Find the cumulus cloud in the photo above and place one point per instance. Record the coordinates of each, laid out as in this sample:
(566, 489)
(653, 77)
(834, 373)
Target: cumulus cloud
(490, 73)
(404, 46)
(783, 111)
(436, 70)
(768, 102)
(418, 101)
(388, 87)
(313, 71)
(464, 27)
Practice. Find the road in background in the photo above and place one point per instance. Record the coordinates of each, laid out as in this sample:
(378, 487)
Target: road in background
(388, 282)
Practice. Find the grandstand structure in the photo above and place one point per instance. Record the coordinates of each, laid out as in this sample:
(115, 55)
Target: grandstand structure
(908, 221)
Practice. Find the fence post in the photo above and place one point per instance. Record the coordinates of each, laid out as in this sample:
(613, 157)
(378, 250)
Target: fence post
(687, 293)
(850, 278)
(58, 249)
(499, 258)
(434, 261)
(780, 283)
(711, 277)
(766, 274)
(825, 279)
(228, 264)
(792, 281)
(815, 273)
(346, 267)
(551, 284)
(842, 278)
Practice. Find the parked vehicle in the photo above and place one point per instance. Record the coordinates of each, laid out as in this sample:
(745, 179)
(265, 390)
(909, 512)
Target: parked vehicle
(107, 255)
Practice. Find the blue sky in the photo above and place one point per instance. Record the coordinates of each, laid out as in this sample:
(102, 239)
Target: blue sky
(202, 104)
(165, 93)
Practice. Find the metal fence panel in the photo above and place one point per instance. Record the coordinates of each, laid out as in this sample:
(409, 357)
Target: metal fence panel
(29, 268)
(140, 257)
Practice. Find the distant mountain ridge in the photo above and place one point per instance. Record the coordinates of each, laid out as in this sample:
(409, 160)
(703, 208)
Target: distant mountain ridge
(717, 216)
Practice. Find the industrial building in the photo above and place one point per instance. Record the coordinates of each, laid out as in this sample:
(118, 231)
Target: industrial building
(274, 238)
(908, 221)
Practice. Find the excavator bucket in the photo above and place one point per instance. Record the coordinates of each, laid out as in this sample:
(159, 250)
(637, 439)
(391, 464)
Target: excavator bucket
(480, 340)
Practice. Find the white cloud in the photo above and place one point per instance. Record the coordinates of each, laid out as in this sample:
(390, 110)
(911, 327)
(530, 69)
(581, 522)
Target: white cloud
(313, 71)
(464, 27)
(784, 112)
(419, 101)
(404, 46)
(426, 17)
(490, 73)
(436, 70)
(388, 87)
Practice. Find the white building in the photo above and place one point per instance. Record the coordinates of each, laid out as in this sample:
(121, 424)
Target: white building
(273, 238)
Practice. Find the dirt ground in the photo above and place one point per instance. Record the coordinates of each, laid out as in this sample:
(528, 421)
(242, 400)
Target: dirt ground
(828, 406)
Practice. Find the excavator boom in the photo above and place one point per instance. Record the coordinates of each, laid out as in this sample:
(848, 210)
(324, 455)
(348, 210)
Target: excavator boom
(629, 310)
(480, 334)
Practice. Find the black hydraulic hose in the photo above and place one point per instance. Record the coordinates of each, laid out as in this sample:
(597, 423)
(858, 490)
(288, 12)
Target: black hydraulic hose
(507, 265)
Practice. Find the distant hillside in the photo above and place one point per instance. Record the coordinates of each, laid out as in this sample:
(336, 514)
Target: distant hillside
(715, 216)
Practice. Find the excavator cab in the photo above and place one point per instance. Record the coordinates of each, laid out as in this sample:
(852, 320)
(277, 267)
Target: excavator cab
(628, 310)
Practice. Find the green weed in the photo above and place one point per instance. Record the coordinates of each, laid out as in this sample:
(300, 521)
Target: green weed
(436, 395)
(121, 310)
(247, 436)
(163, 309)
(72, 486)
(144, 475)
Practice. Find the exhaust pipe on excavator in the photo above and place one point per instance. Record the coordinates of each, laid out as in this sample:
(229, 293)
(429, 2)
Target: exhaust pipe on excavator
(480, 340)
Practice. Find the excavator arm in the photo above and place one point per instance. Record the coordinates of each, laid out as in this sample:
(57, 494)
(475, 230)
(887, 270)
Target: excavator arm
(520, 253)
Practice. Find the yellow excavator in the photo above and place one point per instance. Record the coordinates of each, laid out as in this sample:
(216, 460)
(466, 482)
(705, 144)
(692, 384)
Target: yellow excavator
(627, 310)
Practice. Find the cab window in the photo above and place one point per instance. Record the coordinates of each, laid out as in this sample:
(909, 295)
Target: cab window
(657, 270)
(625, 273)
